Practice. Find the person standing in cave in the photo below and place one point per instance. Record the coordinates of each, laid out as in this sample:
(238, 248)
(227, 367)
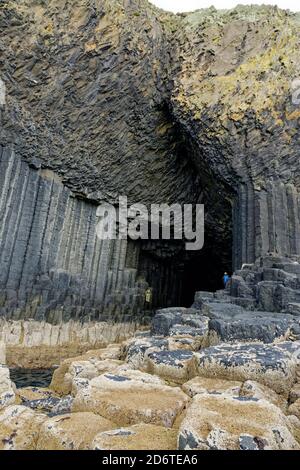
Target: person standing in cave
(148, 297)
(226, 278)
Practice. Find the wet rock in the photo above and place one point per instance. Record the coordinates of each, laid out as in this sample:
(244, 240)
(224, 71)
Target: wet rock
(175, 366)
(128, 401)
(74, 431)
(213, 386)
(220, 422)
(19, 428)
(137, 437)
(266, 364)
(7, 391)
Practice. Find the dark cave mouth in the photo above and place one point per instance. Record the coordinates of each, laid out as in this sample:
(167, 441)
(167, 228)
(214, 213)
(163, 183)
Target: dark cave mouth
(173, 273)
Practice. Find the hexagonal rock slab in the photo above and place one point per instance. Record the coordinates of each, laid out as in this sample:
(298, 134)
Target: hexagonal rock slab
(176, 366)
(74, 431)
(214, 386)
(63, 377)
(137, 437)
(221, 422)
(266, 364)
(127, 401)
(253, 326)
(165, 319)
(7, 394)
(19, 428)
(137, 349)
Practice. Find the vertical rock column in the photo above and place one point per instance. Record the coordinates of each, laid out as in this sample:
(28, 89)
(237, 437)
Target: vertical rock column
(52, 265)
(266, 220)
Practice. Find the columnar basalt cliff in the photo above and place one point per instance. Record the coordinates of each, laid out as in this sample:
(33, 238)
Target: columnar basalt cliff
(108, 98)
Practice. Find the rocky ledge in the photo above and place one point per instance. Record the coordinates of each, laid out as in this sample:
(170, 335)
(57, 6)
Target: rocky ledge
(184, 384)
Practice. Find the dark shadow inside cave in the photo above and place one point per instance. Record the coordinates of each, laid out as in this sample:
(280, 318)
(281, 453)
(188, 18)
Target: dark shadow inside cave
(173, 273)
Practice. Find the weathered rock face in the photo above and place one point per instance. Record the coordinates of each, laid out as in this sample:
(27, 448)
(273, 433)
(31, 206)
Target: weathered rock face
(37, 344)
(231, 423)
(129, 401)
(74, 431)
(266, 364)
(19, 428)
(7, 393)
(120, 98)
(137, 437)
(233, 94)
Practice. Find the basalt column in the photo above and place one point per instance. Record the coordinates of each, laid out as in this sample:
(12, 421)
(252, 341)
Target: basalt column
(52, 265)
(266, 220)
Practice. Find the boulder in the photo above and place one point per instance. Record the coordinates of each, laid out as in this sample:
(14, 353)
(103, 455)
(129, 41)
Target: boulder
(221, 422)
(137, 437)
(201, 297)
(7, 392)
(294, 409)
(224, 310)
(254, 326)
(130, 401)
(19, 428)
(165, 318)
(214, 386)
(267, 364)
(137, 349)
(63, 377)
(74, 431)
(175, 366)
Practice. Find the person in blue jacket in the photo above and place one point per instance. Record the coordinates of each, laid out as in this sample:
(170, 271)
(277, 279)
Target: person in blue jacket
(225, 279)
